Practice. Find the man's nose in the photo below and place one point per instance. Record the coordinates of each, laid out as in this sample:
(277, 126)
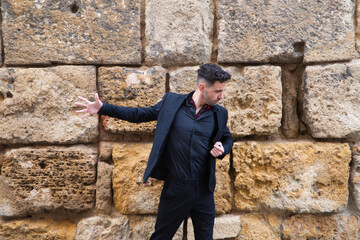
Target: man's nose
(221, 96)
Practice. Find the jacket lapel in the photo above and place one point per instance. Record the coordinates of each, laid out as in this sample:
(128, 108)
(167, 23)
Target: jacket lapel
(171, 110)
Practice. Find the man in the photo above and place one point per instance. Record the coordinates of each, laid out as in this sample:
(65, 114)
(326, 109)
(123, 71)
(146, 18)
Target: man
(190, 133)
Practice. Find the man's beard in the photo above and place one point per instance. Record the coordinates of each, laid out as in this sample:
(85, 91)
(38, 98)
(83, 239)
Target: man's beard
(207, 100)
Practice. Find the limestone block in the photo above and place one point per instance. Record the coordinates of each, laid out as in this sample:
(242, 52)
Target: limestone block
(75, 32)
(255, 226)
(338, 226)
(49, 178)
(181, 34)
(130, 196)
(355, 174)
(37, 229)
(2, 151)
(331, 100)
(103, 188)
(142, 227)
(37, 105)
(183, 80)
(9, 204)
(285, 31)
(225, 227)
(300, 177)
(222, 194)
(105, 151)
(104, 228)
(253, 99)
(131, 87)
(357, 26)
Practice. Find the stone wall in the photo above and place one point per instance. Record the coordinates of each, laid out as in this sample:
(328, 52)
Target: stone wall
(293, 101)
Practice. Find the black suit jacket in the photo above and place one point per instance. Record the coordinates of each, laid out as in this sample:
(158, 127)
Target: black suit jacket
(164, 112)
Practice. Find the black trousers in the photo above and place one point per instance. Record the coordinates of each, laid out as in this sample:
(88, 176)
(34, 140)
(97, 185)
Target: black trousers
(179, 198)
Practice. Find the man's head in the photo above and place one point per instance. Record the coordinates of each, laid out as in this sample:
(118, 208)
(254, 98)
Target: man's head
(211, 82)
(209, 73)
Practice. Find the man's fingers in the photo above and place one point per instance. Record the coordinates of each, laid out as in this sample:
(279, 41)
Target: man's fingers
(86, 115)
(84, 99)
(81, 111)
(215, 152)
(80, 104)
(219, 148)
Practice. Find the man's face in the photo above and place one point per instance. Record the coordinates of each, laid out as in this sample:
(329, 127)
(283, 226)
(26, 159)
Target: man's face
(212, 95)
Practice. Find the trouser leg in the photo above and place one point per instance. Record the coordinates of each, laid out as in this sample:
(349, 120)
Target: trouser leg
(203, 214)
(176, 200)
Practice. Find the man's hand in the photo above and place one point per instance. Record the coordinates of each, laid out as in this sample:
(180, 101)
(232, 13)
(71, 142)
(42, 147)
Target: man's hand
(217, 150)
(90, 107)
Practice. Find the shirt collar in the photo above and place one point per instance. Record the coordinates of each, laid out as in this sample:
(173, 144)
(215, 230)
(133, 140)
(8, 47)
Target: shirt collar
(191, 103)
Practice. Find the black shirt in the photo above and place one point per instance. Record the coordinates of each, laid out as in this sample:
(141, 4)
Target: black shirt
(189, 141)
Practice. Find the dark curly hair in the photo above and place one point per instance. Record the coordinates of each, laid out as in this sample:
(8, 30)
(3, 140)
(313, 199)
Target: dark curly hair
(210, 73)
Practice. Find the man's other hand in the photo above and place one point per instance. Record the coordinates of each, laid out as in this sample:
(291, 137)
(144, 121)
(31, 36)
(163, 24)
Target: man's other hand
(217, 150)
(90, 107)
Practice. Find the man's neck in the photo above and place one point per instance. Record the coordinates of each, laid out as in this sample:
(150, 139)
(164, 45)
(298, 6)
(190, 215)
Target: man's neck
(198, 99)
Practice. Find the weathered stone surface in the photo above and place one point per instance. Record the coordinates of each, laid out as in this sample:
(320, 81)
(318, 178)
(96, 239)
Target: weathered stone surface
(253, 99)
(103, 188)
(260, 227)
(37, 105)
(183, 80)
(130, 196)
(285, 31)
(130, 87)
(222, 194)
(49, 178)
(357, 26)
(290, 79)
(104, 228)
(142, 227)
(225, 227)
(339, 226)
(9, 205)
(355, 174)
(181, 34)
(105, 151)
(2, 151)
(301, 177)
(37, 229)
(332, 99)
(43, 32)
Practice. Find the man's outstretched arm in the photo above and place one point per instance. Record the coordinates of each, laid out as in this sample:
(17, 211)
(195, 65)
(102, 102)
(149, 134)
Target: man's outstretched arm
(130, 114)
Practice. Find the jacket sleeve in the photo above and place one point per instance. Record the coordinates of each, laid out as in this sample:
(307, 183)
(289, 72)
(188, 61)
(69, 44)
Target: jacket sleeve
(226, 140)
(134, 115)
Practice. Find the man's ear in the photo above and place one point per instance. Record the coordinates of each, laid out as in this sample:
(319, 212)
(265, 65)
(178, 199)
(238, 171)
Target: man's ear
(202, 87)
